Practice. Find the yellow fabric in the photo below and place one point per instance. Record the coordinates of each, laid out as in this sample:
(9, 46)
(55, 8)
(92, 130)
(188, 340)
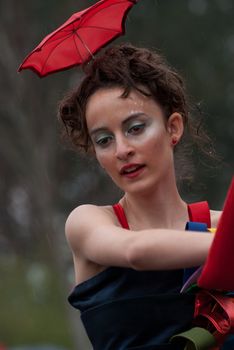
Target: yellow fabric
(212, 229)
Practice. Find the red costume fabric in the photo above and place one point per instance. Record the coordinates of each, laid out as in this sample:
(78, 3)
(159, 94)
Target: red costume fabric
(218, 271)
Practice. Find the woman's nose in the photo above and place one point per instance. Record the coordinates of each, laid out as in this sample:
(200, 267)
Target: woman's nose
(124, 148)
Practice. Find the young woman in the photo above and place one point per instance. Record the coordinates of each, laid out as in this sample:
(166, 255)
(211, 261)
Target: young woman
(131, 111)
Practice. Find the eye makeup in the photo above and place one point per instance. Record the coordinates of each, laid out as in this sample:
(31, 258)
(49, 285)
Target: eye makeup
(135, 127)
(102, 138)
(132, 125)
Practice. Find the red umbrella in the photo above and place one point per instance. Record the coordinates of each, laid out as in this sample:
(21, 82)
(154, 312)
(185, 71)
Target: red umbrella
(83, 34)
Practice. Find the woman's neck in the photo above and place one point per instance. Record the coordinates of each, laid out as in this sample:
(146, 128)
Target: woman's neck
(162, 207)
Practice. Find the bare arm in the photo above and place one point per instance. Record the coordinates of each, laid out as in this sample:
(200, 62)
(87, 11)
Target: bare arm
(93, 235)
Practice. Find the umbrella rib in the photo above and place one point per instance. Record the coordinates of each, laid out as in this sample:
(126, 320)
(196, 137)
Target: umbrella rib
(78, 48)
(96, 27)
(66, 35)
(49, 54)
(79, 37)
(83, 18)
(61, 41)
(80, 26)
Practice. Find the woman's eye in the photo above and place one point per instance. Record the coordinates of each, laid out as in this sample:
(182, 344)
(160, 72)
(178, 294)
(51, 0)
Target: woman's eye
(136, 129)
(103, 141)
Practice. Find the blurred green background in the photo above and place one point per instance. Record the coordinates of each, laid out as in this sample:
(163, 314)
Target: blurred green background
(42, 180)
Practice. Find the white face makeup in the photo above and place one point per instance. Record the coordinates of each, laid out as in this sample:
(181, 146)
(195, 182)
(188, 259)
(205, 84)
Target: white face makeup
(128, 132)
(135, 127)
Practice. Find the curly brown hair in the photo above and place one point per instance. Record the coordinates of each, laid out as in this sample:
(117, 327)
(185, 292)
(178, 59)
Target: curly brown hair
(130, 68)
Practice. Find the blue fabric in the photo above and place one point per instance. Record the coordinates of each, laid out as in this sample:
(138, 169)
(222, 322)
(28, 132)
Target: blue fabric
(126, 309)
(121, 283)
(193, 226)
(229, 343)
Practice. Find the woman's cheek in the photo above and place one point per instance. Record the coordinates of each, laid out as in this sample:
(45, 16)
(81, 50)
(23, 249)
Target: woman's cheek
(152, 133)
(103, 158)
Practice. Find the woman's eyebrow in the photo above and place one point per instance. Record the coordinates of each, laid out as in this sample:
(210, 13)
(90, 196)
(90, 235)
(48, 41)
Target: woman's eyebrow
(97, 130)
(124, 122)
(132, 116)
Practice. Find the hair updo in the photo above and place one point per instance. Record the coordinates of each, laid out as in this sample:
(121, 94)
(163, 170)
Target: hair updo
(140, 69)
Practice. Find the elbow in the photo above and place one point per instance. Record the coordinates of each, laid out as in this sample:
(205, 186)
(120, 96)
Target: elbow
(136, 257)
(145, 254)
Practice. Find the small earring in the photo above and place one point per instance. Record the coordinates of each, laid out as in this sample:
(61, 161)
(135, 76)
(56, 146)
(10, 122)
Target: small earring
(174, 141)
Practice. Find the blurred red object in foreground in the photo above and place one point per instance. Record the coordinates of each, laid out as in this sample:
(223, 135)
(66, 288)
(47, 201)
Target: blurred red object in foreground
(218, 271)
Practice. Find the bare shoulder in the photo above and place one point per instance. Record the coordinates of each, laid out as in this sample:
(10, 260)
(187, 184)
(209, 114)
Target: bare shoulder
(215, 216)
(84, 219)
(88, 214)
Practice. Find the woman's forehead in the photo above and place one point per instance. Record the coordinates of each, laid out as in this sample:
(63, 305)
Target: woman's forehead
(108, 98)
(108, 106)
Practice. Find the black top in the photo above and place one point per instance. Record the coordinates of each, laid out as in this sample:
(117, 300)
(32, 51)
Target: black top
(126, 309)
(122, 308)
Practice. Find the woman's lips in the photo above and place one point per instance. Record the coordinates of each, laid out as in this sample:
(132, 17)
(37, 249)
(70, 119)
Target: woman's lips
(132, 170)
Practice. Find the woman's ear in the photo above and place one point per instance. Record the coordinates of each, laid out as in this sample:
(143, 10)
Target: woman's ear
(175, 127)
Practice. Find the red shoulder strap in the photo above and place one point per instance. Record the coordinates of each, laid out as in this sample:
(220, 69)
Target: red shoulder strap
(119, 212)
(199, 212)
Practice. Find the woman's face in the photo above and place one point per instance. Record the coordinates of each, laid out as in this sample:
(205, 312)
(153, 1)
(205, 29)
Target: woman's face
(131, 138)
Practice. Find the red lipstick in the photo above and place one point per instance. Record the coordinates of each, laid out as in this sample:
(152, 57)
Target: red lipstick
(131, 170)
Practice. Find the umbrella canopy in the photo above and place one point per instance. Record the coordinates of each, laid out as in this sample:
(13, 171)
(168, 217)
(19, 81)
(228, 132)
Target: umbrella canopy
(79, 38)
